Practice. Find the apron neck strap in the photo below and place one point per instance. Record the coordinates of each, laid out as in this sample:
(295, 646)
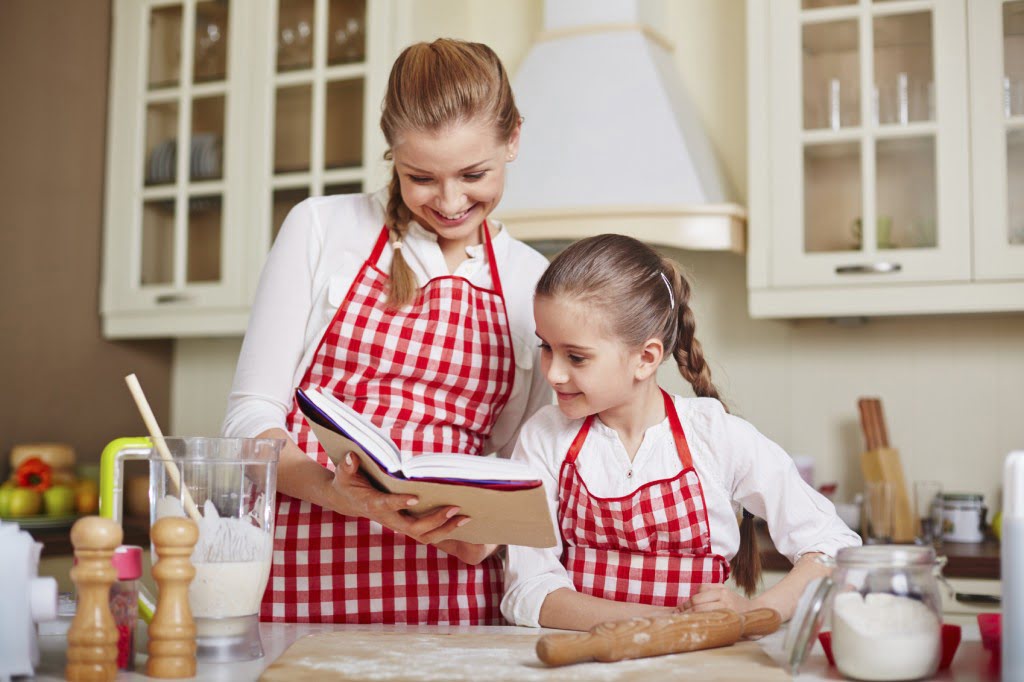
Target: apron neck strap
(577, 443)
(382, 240)
(682, 448)
(378, 248)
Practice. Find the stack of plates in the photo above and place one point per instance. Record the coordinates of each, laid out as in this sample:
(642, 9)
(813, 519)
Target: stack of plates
(204, 159)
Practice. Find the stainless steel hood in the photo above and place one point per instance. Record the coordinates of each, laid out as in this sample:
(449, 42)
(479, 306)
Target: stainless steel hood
(611, 141)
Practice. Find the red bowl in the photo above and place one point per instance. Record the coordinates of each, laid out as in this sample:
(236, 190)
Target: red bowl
(991, 626)
(950, 642)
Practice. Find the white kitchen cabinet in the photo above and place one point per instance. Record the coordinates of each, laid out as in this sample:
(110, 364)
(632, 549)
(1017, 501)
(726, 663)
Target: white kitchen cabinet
(882, 166)
(966, 613)
(274, 101)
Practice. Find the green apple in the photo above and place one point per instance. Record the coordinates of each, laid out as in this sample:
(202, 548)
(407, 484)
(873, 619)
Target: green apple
(59, 500)
(25, 502)
(5, 499)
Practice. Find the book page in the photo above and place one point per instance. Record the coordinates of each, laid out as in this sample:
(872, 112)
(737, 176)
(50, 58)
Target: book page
(467, 467)
(356, 428)
(357, 433)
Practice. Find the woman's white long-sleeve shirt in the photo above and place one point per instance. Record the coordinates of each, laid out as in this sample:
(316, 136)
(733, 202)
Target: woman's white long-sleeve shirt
(733, 460)
(320, 249)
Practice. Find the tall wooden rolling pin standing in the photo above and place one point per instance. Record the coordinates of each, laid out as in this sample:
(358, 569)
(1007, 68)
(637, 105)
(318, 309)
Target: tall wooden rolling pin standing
(642, 637)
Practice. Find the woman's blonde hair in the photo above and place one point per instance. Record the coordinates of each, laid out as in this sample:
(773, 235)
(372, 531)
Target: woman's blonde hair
(433, 86)
(643, 296)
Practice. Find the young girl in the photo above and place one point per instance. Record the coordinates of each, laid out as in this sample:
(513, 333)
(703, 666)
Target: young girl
(642, 483)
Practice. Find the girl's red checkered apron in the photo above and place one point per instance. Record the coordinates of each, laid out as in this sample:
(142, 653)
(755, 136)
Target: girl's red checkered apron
(652, 546)
(437, 373)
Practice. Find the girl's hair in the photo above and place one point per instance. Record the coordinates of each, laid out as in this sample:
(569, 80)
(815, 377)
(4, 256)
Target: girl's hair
(643, 296)
(433, 86)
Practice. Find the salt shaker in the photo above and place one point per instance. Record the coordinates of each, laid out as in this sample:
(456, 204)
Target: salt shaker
(124, 602)
(1012, 557)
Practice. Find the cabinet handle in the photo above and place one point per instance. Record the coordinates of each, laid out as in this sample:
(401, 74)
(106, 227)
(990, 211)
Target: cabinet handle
(967, 598)
(173, 298)
(870, 269)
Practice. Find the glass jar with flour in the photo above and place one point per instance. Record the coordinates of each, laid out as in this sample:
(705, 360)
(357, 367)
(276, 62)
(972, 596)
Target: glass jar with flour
(227, 486)
(885, 610)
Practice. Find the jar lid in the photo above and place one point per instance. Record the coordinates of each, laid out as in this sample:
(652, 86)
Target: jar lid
(868, 556)
(128, 562)
(962, 497)
(806, 623)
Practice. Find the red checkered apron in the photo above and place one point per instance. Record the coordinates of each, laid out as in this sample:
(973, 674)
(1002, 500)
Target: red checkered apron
(437, 374)
(652, 546)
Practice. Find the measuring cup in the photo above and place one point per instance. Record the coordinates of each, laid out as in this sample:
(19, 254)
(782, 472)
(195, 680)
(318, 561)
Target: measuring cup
(228, 486)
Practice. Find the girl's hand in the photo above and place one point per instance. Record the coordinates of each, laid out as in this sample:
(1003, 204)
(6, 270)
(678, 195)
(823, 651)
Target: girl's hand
(716, 596)
(466, 552)
(352, 494)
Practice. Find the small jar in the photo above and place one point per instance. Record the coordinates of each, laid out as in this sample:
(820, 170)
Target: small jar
(886, 613)
(124, 602)
(963, 516)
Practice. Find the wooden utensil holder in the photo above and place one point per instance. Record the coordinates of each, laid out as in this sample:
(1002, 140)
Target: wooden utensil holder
(883, 464)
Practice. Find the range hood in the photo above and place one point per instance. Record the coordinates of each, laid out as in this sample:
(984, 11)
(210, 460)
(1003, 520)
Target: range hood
(611, 141)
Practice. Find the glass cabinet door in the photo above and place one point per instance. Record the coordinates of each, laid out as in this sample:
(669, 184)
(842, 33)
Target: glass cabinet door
(997, 107)
(181, 241)
(867, 134)
(170, 159)
(319, 99)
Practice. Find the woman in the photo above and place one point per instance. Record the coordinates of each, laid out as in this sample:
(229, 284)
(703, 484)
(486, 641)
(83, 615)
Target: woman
(402, 305)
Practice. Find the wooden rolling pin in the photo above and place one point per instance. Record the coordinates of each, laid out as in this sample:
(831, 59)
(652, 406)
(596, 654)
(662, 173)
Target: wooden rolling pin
(643, 637)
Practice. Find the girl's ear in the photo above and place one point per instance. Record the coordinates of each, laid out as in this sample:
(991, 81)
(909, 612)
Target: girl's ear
(651, 355)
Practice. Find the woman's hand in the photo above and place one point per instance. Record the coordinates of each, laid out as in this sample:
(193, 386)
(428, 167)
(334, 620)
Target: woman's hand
(352, 494)
(716, 596)
(466, 552)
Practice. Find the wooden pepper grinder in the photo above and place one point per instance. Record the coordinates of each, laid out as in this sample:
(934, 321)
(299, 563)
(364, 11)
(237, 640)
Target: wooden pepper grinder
(172, 634)
(92, 637)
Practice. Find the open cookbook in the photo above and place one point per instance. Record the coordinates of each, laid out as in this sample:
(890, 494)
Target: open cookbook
(504, 499)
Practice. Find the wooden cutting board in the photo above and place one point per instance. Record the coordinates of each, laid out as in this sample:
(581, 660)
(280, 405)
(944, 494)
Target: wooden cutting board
(493, 657)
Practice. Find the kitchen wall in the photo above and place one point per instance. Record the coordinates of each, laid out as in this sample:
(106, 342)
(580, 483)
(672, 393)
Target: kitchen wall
(60, 380)
(952, 387)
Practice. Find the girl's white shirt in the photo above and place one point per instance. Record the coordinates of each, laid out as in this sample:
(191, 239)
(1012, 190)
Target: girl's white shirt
(320, 249)
(733, 460)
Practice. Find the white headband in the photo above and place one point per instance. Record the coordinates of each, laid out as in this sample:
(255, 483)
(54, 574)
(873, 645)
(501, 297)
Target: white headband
(671, 296)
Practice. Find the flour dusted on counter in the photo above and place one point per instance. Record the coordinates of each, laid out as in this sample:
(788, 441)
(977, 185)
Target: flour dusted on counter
(884, 637)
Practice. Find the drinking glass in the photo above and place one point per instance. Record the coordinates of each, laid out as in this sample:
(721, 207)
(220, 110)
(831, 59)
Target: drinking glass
(877, 517)
(928, 511)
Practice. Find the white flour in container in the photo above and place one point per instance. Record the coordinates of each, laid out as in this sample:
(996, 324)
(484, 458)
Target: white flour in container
(884, 637)
(232, 562)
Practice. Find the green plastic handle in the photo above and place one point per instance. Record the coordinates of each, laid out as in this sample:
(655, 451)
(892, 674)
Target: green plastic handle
(108, 464)
(108, 467)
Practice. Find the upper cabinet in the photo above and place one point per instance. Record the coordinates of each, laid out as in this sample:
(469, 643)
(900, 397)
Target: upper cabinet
(883, 151)
(223, 115)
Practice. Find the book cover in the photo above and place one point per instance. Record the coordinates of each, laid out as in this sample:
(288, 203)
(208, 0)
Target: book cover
(504, 499)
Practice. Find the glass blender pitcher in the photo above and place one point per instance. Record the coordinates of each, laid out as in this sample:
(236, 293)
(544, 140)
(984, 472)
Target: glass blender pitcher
(227, 486)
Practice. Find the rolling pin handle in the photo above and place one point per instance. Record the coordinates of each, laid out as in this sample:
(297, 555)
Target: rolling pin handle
(557, 650)
(760, 622)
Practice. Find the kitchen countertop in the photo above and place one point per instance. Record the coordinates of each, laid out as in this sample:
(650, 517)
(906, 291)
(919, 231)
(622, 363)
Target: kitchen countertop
(972, 662)
(964, 559)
